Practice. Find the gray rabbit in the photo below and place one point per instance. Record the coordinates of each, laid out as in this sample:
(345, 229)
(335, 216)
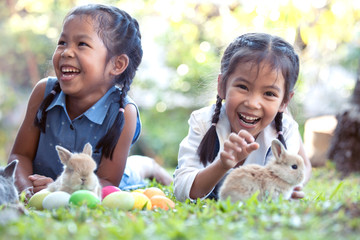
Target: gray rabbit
(8, 191)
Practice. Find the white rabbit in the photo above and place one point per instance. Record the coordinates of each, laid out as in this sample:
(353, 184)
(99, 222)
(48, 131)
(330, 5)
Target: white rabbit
(78, 172)
(8, 191)
(279, 176)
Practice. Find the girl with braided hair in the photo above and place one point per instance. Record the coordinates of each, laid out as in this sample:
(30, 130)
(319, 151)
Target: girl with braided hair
(256, 83)
(98, 53)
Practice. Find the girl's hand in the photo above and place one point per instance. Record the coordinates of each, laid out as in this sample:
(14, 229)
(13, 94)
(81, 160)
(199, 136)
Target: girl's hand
(297, 193)
(236, 148)
(39, 182)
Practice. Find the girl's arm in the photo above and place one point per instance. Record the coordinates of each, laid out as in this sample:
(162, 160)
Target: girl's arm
(109, 171)
(26, 141)
(207, 179)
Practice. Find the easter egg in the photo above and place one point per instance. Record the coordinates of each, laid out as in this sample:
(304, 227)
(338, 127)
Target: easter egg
(140, 190)
(142, 202)
(153, 191)
(107, 190)
(36, 200)
(162, 202)
(55, 200)
(84, 197)
(119, 200)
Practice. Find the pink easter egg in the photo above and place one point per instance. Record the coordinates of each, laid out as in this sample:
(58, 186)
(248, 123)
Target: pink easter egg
(107, 190)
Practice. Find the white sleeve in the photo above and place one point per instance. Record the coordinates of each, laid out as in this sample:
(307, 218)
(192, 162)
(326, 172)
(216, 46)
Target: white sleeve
(188, 160)
(291, 134)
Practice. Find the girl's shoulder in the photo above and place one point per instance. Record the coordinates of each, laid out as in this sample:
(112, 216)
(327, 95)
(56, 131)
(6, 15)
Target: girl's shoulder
(201, 117)
(39, 91)
(116, 93)
(129, 100)
(50, 83)
(201, 120)
(204, 113)
(289, 122)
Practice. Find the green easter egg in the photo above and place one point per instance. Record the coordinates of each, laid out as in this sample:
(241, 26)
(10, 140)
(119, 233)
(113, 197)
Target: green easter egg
(119, 200)
(36, 201)
(84, 197)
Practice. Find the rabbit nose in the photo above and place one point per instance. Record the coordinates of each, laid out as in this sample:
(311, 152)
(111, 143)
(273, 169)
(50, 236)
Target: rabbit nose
(83, 180)
(294, 166)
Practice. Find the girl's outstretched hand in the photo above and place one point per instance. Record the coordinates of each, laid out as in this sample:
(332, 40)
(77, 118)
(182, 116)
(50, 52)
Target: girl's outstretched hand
(236, 148)
(297, 193)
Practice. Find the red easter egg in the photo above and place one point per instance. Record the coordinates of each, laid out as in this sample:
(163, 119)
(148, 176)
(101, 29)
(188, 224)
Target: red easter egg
(107, 190)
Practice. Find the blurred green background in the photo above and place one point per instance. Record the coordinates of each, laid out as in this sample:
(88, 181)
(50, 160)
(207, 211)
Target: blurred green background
(183, 42)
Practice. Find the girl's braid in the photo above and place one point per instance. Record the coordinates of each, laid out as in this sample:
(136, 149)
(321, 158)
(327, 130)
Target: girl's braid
(40, 118)
(279, 128)
(206, 149)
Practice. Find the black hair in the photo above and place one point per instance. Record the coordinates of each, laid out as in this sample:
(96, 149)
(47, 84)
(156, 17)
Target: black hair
(255, 48)
(121, 35)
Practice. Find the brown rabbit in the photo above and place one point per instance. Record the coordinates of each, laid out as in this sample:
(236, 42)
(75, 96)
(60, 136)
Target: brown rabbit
(279, 176)
(78, 172)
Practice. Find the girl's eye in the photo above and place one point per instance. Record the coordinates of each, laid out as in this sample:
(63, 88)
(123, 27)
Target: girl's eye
(62, 43)
(270, 94)
(83, 44)
(242, 86)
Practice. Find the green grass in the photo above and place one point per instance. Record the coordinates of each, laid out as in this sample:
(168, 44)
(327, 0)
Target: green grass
(330, 210)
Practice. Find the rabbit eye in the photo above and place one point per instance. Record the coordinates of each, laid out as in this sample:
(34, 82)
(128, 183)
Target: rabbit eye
(294, 166)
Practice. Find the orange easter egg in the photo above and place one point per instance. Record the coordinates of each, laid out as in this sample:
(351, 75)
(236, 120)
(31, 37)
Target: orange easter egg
(162, 202)
(154, 191)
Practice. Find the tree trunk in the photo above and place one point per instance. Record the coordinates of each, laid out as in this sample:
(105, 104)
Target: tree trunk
(345, 145)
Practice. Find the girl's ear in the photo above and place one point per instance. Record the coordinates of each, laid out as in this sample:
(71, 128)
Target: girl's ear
(284, 104)
(120, 64)
(220, 87)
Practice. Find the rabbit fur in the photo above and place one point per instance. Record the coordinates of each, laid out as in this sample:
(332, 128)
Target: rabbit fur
(8, 191)
(279, 176)
(78, 172)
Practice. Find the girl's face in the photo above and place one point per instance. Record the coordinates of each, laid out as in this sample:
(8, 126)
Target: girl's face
(253, 97)
(80, 60)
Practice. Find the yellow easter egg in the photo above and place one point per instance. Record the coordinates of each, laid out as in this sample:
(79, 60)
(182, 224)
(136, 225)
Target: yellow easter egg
(140, 190)
(142, 202)
(36, 201)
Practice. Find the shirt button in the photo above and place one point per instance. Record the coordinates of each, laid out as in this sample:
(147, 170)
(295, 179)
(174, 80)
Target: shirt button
(71, 127)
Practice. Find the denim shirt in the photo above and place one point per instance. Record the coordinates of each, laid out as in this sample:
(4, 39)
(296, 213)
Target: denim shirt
(90, 127)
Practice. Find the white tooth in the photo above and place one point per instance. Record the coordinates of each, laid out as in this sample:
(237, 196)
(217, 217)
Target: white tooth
(249, 118)
(69, 70)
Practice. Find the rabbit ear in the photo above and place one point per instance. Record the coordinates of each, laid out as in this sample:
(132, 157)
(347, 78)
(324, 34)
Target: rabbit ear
(9, 171)
(64, 154)
(277, 148)
(88, 149)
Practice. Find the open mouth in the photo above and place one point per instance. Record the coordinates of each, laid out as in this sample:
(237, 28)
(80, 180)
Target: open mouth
(249, 120)
(67, 71)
